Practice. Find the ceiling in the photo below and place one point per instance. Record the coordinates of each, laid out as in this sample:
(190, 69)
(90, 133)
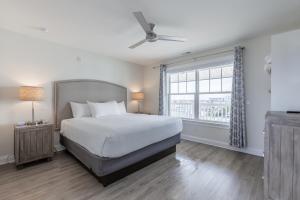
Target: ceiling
(108, 27)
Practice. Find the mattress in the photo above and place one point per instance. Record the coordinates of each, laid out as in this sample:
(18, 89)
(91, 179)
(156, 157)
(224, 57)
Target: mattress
(114, 136)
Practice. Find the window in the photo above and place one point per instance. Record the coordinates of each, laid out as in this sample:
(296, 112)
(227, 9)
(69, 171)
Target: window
(182, 91)
(203, 94)
(215, 93)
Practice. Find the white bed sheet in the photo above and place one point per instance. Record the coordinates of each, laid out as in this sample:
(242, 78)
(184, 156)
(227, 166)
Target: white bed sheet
(117, 135)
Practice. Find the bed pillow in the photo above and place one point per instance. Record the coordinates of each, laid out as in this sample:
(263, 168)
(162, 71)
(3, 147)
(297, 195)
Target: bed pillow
(103, 109)
(122, 108)
(80, 110)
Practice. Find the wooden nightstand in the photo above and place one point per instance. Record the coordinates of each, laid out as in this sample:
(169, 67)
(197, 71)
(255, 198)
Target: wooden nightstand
(33, 143)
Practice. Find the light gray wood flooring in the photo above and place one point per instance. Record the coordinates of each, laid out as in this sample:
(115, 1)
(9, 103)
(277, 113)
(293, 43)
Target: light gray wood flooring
(196, 171)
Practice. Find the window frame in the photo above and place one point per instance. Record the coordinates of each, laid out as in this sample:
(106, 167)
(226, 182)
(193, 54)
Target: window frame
(197, 92)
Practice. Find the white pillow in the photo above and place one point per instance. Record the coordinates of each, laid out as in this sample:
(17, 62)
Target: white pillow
(122, 108)
(102, 109)
(80, 110)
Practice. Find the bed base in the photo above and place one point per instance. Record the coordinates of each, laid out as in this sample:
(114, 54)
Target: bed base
(108, 170)
(115, 176)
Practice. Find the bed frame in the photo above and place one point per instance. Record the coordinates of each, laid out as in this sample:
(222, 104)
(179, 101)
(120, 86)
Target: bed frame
(107, 170)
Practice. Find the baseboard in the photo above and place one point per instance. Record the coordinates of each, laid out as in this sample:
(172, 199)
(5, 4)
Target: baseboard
(7, 159)
(258, 152)
(252, 151)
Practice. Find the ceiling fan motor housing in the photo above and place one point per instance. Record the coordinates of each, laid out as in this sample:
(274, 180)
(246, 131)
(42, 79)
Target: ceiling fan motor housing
(151, 37)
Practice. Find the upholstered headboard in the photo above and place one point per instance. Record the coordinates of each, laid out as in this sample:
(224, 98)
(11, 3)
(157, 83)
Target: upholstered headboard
(80, 91)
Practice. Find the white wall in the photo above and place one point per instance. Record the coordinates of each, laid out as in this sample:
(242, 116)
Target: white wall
(286, 71)
(28, 61)
(257, 84)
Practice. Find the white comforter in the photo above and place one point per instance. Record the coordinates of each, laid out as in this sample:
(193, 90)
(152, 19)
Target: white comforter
(117, 135)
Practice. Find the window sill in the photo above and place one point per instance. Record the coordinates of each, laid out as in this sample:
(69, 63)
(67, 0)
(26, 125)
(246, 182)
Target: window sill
(209, 124)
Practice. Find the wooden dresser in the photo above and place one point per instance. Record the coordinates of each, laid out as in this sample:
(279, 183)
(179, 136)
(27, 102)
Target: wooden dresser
(282, 156)
(33, 143)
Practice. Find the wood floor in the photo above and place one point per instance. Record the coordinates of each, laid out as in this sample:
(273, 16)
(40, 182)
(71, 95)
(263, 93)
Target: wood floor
(196, 171)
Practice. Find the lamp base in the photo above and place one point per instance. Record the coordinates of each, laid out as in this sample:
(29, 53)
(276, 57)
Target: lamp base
(32, 111)
(139, 107)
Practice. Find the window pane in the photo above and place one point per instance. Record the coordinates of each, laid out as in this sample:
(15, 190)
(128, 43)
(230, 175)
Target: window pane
(227, 71)
(182, 87)
(215, 72)
(174, 77)
(214, 107)
(215, 85)
(191, 76)
(174, 87)
(204, 74)
(226, 84)
(204, 86)
(182, 106)
(191, 85)
(182, 76)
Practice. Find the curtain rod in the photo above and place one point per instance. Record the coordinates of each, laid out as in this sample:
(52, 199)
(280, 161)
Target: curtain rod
(195, 58)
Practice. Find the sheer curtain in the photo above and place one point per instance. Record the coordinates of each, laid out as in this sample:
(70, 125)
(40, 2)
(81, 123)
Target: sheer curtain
(238, 136)
(162, 90)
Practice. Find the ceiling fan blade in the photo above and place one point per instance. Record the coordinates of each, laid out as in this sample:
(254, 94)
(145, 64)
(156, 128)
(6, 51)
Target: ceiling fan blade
(137, 44)
(141, 19)
(171, 38)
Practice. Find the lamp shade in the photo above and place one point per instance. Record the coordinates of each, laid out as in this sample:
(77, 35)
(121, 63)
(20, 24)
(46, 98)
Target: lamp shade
(138, 96)
(30, 93)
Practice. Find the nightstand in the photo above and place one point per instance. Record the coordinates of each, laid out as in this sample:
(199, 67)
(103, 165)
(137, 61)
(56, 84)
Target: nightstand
(33, 143)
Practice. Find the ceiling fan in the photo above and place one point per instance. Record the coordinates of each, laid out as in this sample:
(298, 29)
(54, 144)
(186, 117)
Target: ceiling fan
(150, 35)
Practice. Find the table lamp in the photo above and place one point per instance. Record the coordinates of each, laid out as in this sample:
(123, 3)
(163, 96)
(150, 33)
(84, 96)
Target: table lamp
(138, 96)
(30, 93)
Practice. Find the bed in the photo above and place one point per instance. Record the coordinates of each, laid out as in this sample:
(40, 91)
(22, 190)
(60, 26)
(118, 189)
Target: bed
(113, 146)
